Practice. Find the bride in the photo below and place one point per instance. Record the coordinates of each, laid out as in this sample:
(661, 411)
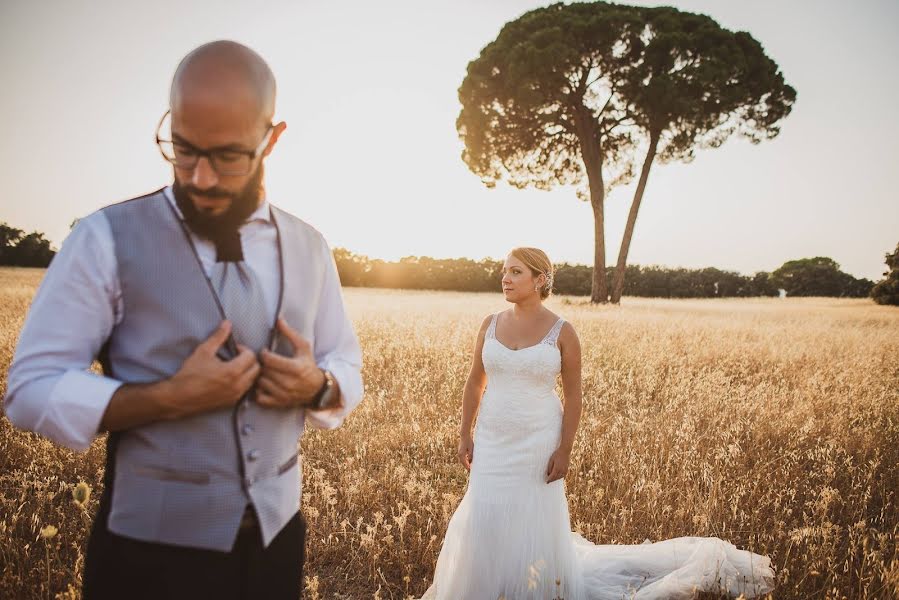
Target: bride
(510, 536)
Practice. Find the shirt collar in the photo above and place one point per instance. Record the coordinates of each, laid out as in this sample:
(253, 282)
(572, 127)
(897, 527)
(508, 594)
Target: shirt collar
(262, 213)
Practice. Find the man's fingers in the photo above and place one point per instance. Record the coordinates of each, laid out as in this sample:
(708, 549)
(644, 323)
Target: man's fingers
(244, 352)
(248, 377)
(244, 360)
(276, 362)
(549, 467)
(218, 337)
(268, 394)
(270, 387)
(265, 400)
(299, 343)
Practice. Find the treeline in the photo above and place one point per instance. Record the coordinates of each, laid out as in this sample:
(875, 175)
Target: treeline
(819, 276)
(886, 291)
(19, 249)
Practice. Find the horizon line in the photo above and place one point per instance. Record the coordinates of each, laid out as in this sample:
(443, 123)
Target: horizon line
(579, 264)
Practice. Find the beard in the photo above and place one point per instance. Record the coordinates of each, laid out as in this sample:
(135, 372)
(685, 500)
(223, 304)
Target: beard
(225, 225)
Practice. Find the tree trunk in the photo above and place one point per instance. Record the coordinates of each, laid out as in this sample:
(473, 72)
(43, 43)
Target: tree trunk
(618, 283)
(591, 153)
(599, 293)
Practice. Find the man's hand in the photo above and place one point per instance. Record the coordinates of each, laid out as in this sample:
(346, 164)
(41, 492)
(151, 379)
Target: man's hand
(557, 467)
(289, 381)
(205, 382)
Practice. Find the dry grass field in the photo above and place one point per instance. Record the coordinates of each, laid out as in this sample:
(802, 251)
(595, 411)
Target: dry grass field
(771, 423)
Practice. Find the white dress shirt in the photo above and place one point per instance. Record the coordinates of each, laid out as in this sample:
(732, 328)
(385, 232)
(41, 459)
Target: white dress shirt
(79, 301)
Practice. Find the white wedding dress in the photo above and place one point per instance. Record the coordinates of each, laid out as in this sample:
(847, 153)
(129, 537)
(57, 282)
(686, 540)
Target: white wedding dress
(511, 537)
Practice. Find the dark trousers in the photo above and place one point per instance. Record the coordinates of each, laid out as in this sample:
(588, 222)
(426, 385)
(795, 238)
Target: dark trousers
(119, 568)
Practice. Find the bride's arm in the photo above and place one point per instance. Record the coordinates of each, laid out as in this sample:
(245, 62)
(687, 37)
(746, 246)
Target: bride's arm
(570, 347)
(471, 398)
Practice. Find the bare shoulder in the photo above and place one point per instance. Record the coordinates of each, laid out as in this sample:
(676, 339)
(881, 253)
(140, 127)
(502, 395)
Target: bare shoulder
(485, 323)
(567, 335)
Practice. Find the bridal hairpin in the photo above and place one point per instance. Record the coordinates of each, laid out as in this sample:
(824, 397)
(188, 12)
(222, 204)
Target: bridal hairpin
(549, 282)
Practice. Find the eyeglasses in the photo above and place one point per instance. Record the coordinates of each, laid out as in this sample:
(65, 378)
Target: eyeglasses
(225, 161)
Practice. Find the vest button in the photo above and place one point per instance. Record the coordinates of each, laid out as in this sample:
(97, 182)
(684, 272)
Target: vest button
(253, 454)
(246, 429)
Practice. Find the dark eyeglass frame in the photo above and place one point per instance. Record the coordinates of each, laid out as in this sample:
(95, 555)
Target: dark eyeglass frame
(211, 155)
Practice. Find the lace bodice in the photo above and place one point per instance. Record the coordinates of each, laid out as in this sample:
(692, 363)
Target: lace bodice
(537, 365)
(521, 383)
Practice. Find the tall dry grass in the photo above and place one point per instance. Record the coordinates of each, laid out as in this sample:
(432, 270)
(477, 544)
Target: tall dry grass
(771, 423)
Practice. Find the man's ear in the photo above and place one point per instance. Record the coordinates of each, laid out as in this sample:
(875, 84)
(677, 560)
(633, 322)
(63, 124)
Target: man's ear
(277, 130)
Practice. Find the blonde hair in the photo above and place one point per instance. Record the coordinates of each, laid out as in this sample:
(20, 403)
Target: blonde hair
(538, 262)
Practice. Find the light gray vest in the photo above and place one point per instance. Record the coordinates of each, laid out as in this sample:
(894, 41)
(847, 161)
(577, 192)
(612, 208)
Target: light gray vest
(187, 482)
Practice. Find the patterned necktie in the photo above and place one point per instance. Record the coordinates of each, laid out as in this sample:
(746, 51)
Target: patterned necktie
(235, 283)
(240, 293)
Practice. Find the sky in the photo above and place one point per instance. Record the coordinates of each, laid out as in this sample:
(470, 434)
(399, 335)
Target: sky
(371, 156)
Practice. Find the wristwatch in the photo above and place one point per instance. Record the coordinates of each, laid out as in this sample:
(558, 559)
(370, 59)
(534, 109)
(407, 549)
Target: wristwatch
(326, 397)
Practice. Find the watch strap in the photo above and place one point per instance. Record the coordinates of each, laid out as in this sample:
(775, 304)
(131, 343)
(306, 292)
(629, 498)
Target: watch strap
(322, 393)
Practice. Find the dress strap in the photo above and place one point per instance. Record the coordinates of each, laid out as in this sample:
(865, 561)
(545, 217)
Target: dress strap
(491, 329)
(553, 336)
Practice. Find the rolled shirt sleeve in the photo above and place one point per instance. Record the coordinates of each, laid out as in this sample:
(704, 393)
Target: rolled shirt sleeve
(50, 390)
(336, 349)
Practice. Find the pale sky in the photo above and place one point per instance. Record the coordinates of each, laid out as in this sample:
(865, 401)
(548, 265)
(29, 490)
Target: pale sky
(371, 156)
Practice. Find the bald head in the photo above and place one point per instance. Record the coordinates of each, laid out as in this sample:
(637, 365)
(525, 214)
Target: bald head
(225, 72)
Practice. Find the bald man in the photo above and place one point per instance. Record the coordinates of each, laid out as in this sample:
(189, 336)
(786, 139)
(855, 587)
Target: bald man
(220, 326)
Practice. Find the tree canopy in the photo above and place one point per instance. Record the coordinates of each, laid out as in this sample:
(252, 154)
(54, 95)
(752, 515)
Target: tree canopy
(818, 276)
(887, 290)
(24, 250)
(568, 95)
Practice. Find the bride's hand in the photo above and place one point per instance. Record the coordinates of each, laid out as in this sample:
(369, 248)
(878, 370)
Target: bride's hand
(558, 465)
(466, 451)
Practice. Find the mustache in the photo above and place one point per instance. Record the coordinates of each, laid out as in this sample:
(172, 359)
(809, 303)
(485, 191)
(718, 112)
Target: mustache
(209, 193)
